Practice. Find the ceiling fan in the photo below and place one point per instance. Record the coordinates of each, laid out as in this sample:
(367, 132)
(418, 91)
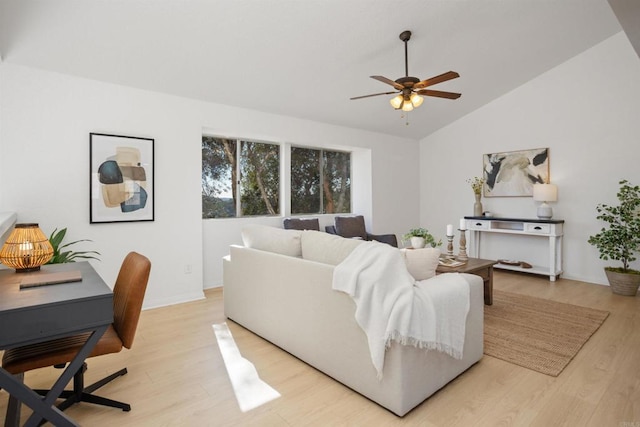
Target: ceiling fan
(409, 88)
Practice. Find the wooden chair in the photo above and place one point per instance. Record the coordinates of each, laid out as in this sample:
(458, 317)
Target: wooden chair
(128, 294)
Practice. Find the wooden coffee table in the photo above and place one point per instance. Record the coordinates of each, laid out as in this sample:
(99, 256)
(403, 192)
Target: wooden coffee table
(479, 267)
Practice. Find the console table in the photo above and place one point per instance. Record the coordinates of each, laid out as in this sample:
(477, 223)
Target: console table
(525, 228)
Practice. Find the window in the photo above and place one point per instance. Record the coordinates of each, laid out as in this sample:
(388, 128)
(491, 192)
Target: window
(320, 181)
(235, 170)
(242, 178)
(259, 178)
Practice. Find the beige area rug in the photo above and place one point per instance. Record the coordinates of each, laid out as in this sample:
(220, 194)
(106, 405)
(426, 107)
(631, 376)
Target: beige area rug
(535, 333)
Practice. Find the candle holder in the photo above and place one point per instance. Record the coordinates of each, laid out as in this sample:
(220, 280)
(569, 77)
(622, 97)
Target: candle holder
(462, 253)
(450, 248)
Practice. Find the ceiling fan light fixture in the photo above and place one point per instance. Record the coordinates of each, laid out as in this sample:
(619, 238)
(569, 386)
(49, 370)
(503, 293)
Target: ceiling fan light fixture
(396, 101)
(416, 100)
(407, 106)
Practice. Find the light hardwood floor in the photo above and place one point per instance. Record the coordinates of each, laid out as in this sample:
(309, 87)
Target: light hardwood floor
(177, 377)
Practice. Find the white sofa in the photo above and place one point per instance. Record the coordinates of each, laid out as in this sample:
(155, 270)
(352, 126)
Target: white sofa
(288, 299)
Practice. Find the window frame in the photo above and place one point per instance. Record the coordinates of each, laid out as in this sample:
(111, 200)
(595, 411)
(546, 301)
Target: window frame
(284, 187)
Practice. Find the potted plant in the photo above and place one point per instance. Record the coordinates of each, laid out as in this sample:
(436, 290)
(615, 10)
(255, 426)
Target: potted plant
(621, 240)
(60, 256)
(420, 237)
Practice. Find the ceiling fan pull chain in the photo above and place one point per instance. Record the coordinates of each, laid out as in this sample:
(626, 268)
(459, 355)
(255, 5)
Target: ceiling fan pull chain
(405, 115)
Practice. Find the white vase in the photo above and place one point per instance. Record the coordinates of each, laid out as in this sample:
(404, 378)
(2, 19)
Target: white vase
(417, 242)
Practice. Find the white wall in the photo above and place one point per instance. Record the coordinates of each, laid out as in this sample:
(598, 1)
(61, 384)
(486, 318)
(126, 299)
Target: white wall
(587, 112)
(44, 146)
(45, 174)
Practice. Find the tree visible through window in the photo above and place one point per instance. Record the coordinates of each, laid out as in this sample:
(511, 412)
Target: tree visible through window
(242, 178)
(245, 169)
(260, 178)
(320, 181)
(219, 177)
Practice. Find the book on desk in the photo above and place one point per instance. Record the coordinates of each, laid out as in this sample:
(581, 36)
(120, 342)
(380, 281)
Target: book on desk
(44, 279)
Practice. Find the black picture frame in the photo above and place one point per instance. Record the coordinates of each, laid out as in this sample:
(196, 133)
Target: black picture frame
(121, 187)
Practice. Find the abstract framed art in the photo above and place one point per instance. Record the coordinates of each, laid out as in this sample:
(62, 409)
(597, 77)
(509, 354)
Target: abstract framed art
(513, 173)
(121, 178)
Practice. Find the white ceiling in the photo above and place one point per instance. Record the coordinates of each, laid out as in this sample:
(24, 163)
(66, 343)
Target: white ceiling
(307, 58)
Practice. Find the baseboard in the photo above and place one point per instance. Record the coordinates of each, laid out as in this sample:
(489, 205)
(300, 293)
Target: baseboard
(178, 299)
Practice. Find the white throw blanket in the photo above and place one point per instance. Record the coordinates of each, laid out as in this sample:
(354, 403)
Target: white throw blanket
(392, 306)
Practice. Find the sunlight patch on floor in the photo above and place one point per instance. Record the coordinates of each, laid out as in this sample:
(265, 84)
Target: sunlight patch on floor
(250, 390)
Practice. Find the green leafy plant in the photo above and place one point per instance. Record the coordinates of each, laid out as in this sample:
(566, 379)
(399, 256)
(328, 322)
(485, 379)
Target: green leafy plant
(621, 241)
(60, 256)
(424, 233)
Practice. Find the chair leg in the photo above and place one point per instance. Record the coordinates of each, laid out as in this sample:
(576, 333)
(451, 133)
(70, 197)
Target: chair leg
(93, 387)
(80, 393)
(98, 400)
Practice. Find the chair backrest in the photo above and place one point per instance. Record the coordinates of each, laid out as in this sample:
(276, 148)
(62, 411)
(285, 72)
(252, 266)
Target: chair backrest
(128, 294)
(351, 226)
(301, 224)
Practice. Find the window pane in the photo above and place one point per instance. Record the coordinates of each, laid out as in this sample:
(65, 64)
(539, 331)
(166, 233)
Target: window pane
(305, 180)
(336, 182)
(218, 177)
(260, 178)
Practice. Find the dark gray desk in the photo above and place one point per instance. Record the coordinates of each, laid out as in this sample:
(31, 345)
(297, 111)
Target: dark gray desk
(42, 313)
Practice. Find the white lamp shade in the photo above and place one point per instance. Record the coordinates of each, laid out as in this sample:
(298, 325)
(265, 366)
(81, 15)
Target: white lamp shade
(545, 192)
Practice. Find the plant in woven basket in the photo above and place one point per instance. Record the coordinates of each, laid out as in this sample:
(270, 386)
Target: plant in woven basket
(61, 256)
(620, 241)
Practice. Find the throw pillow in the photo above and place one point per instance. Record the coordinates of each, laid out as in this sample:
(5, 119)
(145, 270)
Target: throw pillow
(421, 263)
(326, 248)
(272, 239)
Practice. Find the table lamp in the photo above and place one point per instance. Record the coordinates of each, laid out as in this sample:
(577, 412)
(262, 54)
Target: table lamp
(545, 193)
(26, 249)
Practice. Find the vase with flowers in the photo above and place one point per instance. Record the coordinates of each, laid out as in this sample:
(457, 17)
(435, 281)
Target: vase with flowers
(476, 185)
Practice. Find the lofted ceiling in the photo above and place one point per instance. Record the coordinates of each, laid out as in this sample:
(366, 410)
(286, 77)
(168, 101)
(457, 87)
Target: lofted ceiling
(306, 58)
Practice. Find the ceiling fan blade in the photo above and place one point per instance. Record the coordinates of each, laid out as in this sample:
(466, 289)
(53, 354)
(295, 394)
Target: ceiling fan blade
(449, 75)
(439, 93)
(388, 81)
(374, 94)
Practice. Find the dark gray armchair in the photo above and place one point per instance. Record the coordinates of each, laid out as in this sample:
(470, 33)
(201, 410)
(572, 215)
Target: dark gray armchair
(353, 226)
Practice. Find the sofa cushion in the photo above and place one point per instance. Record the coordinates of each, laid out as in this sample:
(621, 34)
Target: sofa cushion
(272, 239)
(326, 248)
(421, 263)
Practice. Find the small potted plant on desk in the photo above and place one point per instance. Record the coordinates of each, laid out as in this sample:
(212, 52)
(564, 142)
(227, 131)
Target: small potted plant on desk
(420, 237)
(61, 256)
(621, 241)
